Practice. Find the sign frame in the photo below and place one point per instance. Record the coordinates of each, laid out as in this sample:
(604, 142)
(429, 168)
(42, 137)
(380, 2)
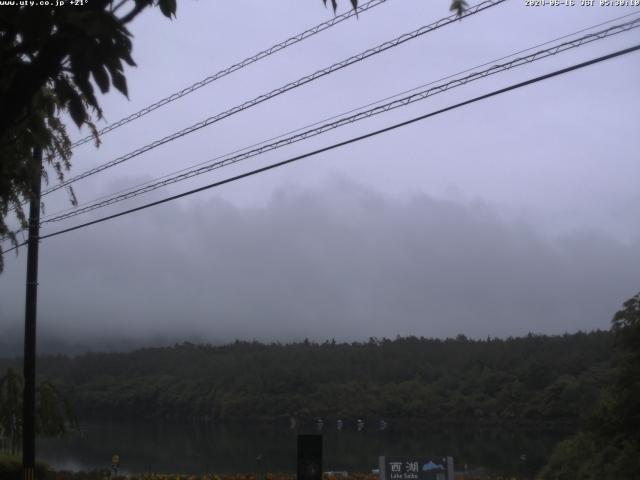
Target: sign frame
(417, 470)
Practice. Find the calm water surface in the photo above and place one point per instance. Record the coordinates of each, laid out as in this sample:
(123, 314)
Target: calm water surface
(198, 448)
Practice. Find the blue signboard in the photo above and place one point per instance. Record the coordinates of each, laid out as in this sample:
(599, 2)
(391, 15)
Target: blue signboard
(416, 468)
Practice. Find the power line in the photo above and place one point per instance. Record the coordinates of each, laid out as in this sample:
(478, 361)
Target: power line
(539, 55)
(233, 68)
(175, 173)
(346, 142)
(222, 73)
(279, 91)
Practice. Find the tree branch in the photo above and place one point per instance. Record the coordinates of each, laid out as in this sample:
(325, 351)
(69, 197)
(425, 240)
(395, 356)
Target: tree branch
(133, 13)
(117, 7)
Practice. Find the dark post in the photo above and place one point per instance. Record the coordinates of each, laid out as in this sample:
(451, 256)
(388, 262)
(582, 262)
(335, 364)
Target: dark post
(29, 393)
(309, 457)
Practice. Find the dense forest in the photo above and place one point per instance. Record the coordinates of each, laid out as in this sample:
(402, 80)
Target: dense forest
(535, 379)
(607, 445)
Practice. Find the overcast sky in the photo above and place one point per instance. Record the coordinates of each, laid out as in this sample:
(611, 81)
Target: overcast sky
(515, 215)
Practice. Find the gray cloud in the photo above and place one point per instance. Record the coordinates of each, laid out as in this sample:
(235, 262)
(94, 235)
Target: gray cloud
(343, 262)
(552, 245)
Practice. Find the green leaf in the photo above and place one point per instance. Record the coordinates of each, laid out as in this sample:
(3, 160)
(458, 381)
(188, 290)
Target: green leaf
(85, 87)
(101, 77)
(76, 110)
(72, 196)
(168, 7)
(87, 21)
(120, 82)
(114, 65)
(126, 56)
(95, 133)
(122, 48)
(458, 6)
(334, 4)
(63, 90)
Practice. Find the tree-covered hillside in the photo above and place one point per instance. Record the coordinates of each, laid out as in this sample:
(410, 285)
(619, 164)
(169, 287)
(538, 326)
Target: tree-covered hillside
(535, 378)
(608, 444)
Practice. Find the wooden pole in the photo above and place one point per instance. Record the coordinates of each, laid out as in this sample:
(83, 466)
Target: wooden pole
(29, 392)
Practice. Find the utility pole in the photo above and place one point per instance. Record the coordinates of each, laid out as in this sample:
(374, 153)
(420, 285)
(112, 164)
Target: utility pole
(29, 361)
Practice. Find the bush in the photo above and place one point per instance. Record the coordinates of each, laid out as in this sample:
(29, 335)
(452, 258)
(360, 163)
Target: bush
(11, 469)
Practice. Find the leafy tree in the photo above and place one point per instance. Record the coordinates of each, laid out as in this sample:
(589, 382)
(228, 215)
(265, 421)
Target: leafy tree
(51, 60)
(53, 412)
(408, 378)
(608, 445)
(11, 408)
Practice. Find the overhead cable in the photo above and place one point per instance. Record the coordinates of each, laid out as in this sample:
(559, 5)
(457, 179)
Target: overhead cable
(279, 91)
(333, 117)
(233, 68)
(345, 142)
(417, 96)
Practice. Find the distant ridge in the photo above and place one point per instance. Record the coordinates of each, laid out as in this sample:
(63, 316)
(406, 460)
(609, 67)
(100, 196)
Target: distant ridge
(534, 379)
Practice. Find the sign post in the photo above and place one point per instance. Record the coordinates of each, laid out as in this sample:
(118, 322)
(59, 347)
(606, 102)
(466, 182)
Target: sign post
(309, 457)
(115, 463)
(416, 468)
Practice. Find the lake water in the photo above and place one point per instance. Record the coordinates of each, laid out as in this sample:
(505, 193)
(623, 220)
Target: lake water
(198, 448)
